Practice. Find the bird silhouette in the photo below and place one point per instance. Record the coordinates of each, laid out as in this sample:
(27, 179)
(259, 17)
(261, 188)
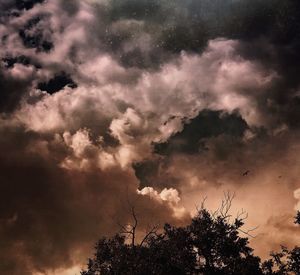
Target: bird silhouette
(246, 173)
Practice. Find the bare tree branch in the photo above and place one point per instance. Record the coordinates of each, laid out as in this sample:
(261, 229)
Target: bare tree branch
(226, 205)
(153, 231)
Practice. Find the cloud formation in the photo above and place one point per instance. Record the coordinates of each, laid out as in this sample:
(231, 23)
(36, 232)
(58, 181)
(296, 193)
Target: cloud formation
(105, 102)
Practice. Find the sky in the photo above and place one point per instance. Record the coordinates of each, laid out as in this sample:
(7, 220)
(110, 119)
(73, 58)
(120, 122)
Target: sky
(153, 103)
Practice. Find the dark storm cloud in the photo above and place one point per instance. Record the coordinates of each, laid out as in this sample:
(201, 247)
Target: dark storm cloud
(154, 172)
(57, 83)
(142, 70)
(32, 35)
(194, 139)
(208, 124)
(188, 25)
(269, 32)
(14, 8)
(18, 4)
(145, 34)
(11, 91)
(9, 62)
(26, 4)
(13, 86)
(47, 212)
(146, 172)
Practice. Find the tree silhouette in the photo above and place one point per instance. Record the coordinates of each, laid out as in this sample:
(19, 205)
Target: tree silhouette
(297, 218)
(284, 262)
(211, 244)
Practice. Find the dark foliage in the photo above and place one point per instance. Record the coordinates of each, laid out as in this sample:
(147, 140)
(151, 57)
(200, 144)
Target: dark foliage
(297, 218)
(283, 262)
(209, 245)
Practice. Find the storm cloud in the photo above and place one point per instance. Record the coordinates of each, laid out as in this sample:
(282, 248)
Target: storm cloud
(106, 103)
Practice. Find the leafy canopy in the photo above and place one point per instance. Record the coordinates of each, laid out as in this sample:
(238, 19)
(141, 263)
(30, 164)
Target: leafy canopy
(209, 245)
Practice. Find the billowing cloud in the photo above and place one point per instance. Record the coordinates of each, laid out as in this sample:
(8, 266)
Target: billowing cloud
(171, 196)
(59, 194)
(110, 103)
(297, 197)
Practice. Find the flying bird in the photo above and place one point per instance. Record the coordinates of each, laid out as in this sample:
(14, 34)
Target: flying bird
(246, 173)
